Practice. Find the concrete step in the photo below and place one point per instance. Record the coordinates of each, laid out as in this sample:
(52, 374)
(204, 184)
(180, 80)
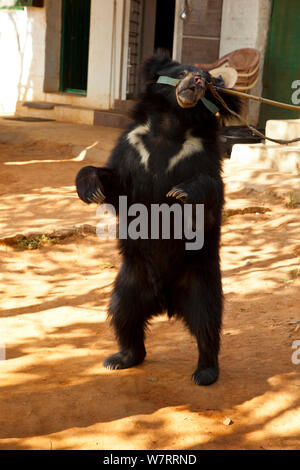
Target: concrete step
(276, 157)
(33, 111)
(283, 129)
(76, 114)
(56, 111)
(39, 105)
(111, 119)
(124, 106)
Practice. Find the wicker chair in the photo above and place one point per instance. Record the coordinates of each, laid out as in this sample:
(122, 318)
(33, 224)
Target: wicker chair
(244, 61)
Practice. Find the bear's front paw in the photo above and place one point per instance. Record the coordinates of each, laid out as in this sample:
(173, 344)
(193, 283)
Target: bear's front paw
(88, 185)
(178, 193)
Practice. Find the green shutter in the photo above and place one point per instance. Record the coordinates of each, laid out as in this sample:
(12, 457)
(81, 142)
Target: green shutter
(282, 59)
(75, 45)
(30, 3)
(14, 7)
(20, 4)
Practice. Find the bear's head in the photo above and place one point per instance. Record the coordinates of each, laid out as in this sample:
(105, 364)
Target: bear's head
(184, 86)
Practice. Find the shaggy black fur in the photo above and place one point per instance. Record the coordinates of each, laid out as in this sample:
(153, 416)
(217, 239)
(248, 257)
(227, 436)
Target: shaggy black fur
(161, 275)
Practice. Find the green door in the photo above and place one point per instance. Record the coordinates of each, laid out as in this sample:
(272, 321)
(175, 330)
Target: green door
(75, 45)
(282, 59)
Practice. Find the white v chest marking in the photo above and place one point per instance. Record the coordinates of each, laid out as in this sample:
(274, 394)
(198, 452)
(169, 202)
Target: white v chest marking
(135, 139)
(191, 145)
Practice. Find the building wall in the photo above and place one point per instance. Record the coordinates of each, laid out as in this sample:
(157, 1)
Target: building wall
(30, 50)
(29, 74)
(201, 32)
(22, 39)
(245, 24)
(197, 38)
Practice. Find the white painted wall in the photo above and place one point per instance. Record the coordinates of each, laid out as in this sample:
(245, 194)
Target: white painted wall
(245, 24)
(105, 52)
(22, 57)
(178, 31)
(22, 38)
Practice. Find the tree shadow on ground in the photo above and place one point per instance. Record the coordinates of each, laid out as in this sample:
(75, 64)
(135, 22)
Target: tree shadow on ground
(61, 384)
(55, 388)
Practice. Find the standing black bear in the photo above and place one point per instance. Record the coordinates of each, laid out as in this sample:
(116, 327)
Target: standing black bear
(170, 152)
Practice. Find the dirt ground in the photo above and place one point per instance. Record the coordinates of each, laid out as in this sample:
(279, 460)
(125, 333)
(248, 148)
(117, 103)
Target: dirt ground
(55, 392)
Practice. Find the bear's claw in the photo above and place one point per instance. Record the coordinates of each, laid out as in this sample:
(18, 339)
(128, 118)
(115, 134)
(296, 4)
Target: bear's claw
(97, 197)
(178, 194)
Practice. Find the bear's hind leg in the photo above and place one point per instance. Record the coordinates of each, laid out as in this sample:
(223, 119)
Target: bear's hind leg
(198, 300)
(133, 302)
(129, 330)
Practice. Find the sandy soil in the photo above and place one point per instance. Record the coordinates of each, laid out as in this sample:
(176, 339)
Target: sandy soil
(55, 393)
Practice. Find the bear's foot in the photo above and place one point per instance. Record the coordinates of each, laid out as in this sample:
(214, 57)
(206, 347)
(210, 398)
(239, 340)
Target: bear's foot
(205, 376)
(124, 360)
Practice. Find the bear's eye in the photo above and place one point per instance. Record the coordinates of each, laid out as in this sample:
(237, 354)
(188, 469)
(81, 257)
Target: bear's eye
(182, 74)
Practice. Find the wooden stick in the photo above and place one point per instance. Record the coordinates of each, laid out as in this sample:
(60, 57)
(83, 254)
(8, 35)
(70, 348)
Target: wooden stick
(258, 98)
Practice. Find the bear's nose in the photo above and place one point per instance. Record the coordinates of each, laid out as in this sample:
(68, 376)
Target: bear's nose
(198, 81)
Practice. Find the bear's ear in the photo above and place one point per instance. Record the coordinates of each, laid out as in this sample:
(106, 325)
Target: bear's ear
(217, 81)
(153, 65)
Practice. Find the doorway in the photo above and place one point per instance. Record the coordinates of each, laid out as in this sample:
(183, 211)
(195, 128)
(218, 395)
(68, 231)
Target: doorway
(164, 25)
(75, 46)
(151, 27)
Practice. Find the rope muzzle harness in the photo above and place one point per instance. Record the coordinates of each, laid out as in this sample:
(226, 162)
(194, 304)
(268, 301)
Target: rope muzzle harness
(165, 80)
